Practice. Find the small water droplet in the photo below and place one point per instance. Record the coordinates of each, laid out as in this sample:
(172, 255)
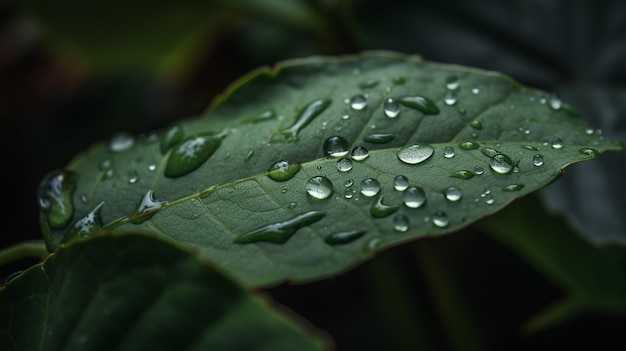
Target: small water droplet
(319, 187)
(147, 208)
(414, 197)
(283, 170)
(348, 194)
(530, 147)
(292, 205)
(280, 232)
(380, 210)
(369, 83)
(133, 176)
(55, 198)
(478, 170)
(489, 152)
(450, 98)
(306, 116)
(589, 152)
(462, 174)
(401, 223)
(489, 199)
(344, 165)
(348, 183)
(416, 153)
(191, 153)
(106, 164)
(513, 187)
(475, 91)
(391, 108)
(84, 199)
(501, 163)
(469, 145)
(152, 167)
(378, 138)
(85, 226)
(359, 153)
(452, 82)
(121, 142)
(358, 102)
(538, 160)
(555, 103)
(557, 143)
(400, 183)
(448, 152)
(171, 137)
(370, 187)
(476, 124)
(420, 103)
(440, 219)
(341, 238)
(589, 131)
(345, 116)
(452, 194)
(336, 146)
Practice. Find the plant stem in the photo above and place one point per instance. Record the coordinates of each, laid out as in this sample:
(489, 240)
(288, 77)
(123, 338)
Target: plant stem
(26, 249)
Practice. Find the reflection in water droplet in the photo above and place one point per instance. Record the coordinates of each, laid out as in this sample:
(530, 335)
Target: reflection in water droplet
(359, 153)
(462, 174)
(476, 124)
(319, 187)
(171, 137)
(280, 232)
(469, 145)
(538, 160)
(420, 103)
(501, 164)
(401, 223)
(358, 102)
(85, 226)
(478, 170)
(440, 219)
(283, 170)
(452, 82)
(557, 143)
(380, 210)
(344, 165)
(391, 108)
(555, 103)
(415, 153)
(121, 142)
(513, 187)
(307, 114)
(589, 152)
(414, 197)
(55, 198)
(450, 98)
(147, 207)
(378, 138)
(191, 153)
(370, 187)
(340, 238)
(336, 146)
(452, 194)
(400, 183)
(448, 152)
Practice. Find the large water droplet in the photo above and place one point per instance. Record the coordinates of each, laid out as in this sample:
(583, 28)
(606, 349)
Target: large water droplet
(448, 152)
(86, 225)
(452, 194)
(501, 163)
(370, 187)
(340, 238)
(358, 102)
(462, 174)
(344, 165)
(469, 145)
(557, 143)
(171, 137)
(147, 207)
(380, 210)
(414, 197)
(440, 219)
(280, 232)
(319, 187)
(121, 142)
(391, 108)
(450, 98)
(420, 103)
(283, 170)
(401, 223)
(378, 138)
(400, 183)
(307, 114)
(359, 153)
(192, 152)
(415, 153)
(513, 187)
(452, 82)
(336, 146)
(589, 152)
(537, 160)
(55, 198)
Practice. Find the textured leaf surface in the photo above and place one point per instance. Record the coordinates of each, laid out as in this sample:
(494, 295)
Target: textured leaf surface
(489, 138)
(133, 292)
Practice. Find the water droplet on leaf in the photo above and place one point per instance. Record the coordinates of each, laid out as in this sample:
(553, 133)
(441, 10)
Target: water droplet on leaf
(537, 160)
(400, 183)
(555, 103)
(147, 207)
(359, 153)
(344, 165)
(401, 223)
(306, 115)
(452, 82)
(476, 124)
(367, 84)
(414, 197)
(171, 137)
(280, 232)
(557, 143)
(513, 187)
(440, 219)
(489, 152)
(416, 153)
(379, 138)
(589, 152)
(420, 103)
(478, 170)
(370, 187)
(452, 194)
(283, 170)
(469, 145)
(463, 174)
(191, 153)
(121, 142)
(358, 102)
(340, 238)
(380, 210)
(391, 108)
(336, 146)
(86, 225)
(450, 98)
(448, 152)
(501, 163)
(55, 198)
(319, 187)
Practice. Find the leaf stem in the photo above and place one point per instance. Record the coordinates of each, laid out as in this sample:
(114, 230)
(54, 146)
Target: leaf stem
(26, 249)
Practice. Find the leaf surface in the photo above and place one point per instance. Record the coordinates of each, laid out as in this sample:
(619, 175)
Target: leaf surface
(467, 142)
(133, 292)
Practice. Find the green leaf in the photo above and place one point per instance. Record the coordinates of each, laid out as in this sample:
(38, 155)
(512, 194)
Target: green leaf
(488, 141)
(135, 292)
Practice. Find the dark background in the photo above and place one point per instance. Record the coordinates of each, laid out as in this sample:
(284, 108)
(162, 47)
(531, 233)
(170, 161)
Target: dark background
(56, 100)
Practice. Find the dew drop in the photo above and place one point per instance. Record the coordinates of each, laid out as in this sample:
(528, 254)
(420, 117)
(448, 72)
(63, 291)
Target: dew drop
(501, 163)
(398, 80)
(283, 170)
(55, 198)
(452, 194)
(306, 116)
(85, 226)
(401, 223)
(378, 138)
(341, 238)
(462, 174)
(319, 187)
(84, 199)
(537, 160)
(133, 176)
(380, 210)
(151, 167)
(420, 103)
(391, 108)
(359, 153)
(280, 232)
(448, 152)
(589, 131)
(450, 98)
(292, 205)
(440, 219)
(452, 82)
(336, 146)
(469, 145)
(555, 103)
(370, 187)
(557, 143)
(147, 208)
(414, 197)
(348, 194)
(348, 183)
(489, 199)
(171, 137)
(400, 183)
(475, 91)
(476, 124)
(513, 187)
(121, 142)
(344, 165)
(105, 164)
(248, 155)
(589, 152)
(489, 152)
(415, 153)
(358, 102)
(530, 147)
(478, 170)
(191, 153)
